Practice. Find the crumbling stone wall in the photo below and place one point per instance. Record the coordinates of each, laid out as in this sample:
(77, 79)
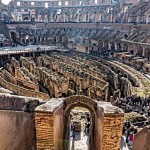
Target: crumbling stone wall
(86, 80)
(28, 64)
(15, 63)
(25, 84)
(22, 91)
(125, 87)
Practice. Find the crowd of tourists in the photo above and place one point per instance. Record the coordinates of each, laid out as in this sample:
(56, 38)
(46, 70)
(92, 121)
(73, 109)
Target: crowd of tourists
(103, 52)
(140, 105)
(137, 104)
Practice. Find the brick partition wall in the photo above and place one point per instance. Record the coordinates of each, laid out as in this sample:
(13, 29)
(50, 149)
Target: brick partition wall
(44, 130)
(49, 125)
(23, 91)
(112, 131)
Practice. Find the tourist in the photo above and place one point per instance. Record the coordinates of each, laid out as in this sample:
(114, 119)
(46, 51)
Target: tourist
(73, 131)
(129, 129)
(88, 118)
(131, 139)
(88, 128)
(85, 128)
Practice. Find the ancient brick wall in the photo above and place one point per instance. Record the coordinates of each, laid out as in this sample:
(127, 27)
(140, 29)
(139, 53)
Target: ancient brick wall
(25, 84)
(28, 64)
(58, 129)
(15, 63)
(49, 129)
(21, 75)
(44, 123)
(112, 131)
(22, 91)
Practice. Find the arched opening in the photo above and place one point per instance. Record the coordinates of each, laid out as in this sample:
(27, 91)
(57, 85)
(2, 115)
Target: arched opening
(26, 18)
(87, 18)
(140, 51)
(5, 14)
(147, 53)
(80, 127)
(119, 46)
(23, 41)
(132, 52)
(73, 87)
(88, 105)
(13, 36)
(112, 46)
(100, 44)
(57, 119)
(125, 47)
(125, 36)
(106, 45)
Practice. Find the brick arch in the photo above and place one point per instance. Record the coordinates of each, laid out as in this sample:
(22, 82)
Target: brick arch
(52, 120)
(13, 35)
(79, 101)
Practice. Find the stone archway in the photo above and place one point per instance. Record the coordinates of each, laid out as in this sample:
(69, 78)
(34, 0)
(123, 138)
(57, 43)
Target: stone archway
(79, 101)
(106, 46)
(13, 36)
(113, 46)
(26, 18)
(147, 53)
(140, 51)
(51, 122)
(125, 47)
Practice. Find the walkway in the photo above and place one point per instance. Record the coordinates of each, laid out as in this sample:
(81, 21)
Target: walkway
(80, 142)
(123, 145)
(23, 47)
(28, 49)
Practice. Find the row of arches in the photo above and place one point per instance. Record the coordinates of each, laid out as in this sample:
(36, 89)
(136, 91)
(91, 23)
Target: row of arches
(63, 38)
(139, 51)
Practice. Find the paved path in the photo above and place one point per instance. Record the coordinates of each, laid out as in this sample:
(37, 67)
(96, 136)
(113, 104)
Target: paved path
(24, 47)
(123, 144)
(28, 49)
(80, 142)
